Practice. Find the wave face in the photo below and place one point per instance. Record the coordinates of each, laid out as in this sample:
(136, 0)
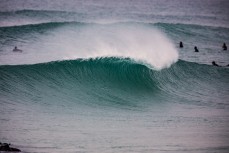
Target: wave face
(112, 80)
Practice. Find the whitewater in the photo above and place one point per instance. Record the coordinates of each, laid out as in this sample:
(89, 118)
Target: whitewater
(83, 40)
(109, 76)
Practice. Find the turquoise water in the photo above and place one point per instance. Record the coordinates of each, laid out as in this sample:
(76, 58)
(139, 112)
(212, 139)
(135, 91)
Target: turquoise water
(110, 77)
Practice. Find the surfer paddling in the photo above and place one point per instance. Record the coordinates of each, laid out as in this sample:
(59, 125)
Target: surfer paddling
(6, 147)
(214, 63)
(16, 49)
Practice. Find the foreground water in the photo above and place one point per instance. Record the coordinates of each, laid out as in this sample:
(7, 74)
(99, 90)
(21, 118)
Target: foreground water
(109, 76)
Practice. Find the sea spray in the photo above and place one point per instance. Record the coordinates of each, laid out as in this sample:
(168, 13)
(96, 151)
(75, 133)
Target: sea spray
(140, 42)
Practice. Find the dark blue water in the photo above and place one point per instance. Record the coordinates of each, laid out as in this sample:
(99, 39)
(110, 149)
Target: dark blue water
(109, 76)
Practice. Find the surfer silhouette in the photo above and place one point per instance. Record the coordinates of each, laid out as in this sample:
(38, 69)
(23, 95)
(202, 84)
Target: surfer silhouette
(181, 44)
(224, 46)
(214, 63)
(196, 49)
(16, 49)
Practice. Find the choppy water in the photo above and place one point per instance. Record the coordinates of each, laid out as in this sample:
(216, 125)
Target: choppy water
(109, 76)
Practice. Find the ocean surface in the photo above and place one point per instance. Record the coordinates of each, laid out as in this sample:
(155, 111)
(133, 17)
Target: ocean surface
(109, 77)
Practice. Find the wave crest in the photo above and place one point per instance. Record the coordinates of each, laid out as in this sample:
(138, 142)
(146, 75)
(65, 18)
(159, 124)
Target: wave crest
(141, 42)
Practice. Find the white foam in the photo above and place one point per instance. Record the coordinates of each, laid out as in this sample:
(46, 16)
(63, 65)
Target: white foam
(140, 42)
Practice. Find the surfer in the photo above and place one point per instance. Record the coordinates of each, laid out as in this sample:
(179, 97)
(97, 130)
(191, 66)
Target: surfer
(6, 147)
(181, 44)
(196, 49)
(224, 46)
(16, 49)
(214, 63)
